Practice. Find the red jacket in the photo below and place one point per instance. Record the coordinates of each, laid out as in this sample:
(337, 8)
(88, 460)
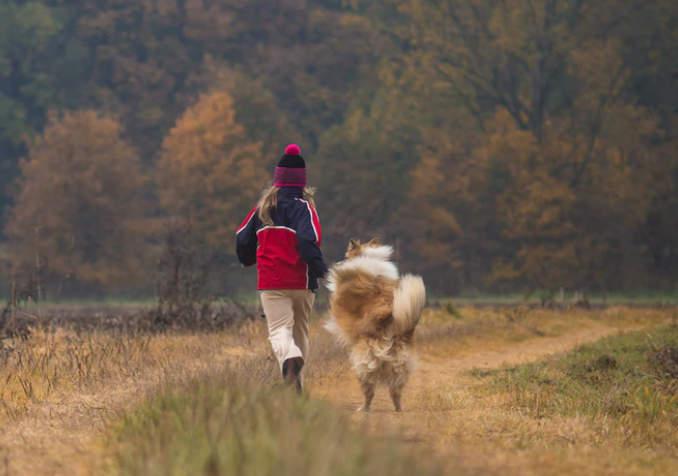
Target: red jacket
(287, 254)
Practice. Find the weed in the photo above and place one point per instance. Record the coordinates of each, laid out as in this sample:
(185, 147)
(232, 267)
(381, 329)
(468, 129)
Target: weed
(452, 310)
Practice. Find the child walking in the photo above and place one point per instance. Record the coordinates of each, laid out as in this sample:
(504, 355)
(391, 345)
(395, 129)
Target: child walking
(282, 236)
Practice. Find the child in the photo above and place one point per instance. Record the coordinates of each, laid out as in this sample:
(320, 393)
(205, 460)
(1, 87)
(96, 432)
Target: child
(282, 236)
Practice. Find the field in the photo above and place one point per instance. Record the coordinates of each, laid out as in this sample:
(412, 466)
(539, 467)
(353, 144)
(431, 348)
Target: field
(499, 390)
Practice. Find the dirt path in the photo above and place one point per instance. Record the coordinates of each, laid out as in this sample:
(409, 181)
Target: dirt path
(436, 373)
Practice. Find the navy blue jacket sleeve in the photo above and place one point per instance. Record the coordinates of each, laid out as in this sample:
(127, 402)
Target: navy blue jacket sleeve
(246, 240)
(309, 235)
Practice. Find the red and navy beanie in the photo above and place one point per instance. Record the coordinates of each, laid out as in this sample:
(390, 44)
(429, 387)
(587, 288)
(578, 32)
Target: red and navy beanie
(291, 169)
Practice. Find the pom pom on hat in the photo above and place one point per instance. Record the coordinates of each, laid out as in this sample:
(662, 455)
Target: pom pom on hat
(292, 149)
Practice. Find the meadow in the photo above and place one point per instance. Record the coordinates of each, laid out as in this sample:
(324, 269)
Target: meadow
(505, 390)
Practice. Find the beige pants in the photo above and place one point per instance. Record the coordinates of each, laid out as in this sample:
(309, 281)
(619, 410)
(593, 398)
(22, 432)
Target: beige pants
(288, 315)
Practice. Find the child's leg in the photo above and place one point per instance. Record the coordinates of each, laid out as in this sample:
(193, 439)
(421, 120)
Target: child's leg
(302, 304)
(279, 311)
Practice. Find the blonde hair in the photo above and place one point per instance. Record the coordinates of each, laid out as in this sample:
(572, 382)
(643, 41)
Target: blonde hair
(269, 201)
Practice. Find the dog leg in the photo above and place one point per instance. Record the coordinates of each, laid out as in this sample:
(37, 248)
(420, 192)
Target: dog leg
(368, 392)
(396, 392)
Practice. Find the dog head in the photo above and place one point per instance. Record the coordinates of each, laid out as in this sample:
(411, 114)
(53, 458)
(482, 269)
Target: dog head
(371, 249)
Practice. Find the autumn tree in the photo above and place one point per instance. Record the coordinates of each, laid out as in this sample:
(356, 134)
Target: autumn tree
(257, 110)
(557, 126)
(363, 166)
(450, 215)
(79, 203)
(209, 173)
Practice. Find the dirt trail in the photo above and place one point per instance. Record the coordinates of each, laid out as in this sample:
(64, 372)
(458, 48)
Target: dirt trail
(435, 373)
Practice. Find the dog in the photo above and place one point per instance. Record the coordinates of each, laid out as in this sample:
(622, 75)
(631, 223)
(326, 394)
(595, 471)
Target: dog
(374, 310)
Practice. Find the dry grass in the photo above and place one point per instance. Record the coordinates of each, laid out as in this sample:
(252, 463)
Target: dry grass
(60, 389)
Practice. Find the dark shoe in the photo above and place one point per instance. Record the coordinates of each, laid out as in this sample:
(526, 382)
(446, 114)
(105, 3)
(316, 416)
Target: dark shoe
(291, 371)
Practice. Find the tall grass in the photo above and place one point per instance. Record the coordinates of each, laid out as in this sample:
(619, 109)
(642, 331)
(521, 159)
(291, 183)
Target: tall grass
(46, 363)
(228, 427)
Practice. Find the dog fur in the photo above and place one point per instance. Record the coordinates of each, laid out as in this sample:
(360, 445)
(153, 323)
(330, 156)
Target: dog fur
(375, 311)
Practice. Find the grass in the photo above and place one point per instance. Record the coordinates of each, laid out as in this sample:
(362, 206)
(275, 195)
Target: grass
(515, 299)
(626, 385)
(479, 328)
(226, 427)
(464, 299)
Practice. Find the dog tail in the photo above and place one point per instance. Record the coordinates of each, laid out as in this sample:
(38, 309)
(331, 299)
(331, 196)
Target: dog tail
(408, 303)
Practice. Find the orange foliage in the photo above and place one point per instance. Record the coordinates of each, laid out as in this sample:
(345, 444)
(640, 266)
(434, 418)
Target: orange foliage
(209, 172)
(559, 180)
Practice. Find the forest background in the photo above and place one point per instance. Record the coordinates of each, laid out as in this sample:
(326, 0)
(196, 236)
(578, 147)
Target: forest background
(500, 145)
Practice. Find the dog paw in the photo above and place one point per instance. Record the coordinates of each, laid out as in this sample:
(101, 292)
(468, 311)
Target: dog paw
(363, 410)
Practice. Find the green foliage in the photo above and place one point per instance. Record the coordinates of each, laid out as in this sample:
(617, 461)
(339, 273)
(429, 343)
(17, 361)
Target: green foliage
(230, 427)
(26, 33)
(38, 71)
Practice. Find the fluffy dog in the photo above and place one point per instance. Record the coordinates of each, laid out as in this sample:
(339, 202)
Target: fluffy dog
(375, 311)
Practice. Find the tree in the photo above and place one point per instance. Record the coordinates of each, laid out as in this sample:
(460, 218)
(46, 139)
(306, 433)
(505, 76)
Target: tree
(79, 202)
(256, 110)
(549, 83)
(209, 173)
(364, 164)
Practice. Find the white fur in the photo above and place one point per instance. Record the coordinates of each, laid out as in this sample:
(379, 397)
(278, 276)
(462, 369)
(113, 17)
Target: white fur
(374, 260)
(330, 281)
(383, 252)
(333, 328)
(376, 361)
(409, 300)
(372, 265)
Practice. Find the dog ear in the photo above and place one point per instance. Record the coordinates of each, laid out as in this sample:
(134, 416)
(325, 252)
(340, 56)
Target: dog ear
(374, 241)
(353, 244)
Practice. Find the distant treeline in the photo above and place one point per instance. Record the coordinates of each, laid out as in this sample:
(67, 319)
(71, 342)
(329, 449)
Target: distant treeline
(500, 145)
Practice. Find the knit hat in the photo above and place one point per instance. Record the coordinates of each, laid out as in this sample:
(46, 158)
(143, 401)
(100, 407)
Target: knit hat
(291, 169)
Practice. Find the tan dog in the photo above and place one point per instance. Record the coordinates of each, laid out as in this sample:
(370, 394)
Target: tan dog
(375, 311)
